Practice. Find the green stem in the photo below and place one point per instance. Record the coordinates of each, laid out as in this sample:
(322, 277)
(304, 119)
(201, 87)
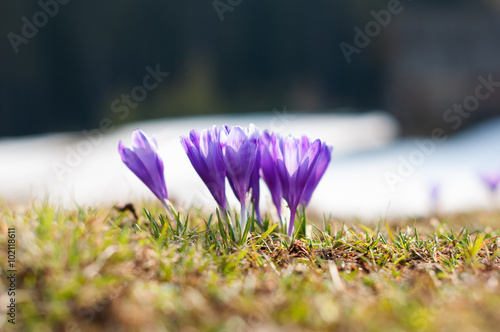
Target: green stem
(243, 216)
(292, 221)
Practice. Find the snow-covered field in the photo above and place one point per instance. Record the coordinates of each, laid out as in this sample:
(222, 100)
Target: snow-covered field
(372, 174)
(398, 178)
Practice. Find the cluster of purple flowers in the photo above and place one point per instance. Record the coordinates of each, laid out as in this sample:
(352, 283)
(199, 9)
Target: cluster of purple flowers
(290, 167)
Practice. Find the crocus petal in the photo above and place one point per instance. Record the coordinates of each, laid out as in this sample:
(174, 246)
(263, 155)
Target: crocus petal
(304, 145)
(194, 136)
(202, 151)
(291, 155)
(238, 152)
(318, 172)
(144, 161)
(294, 171)
(236, 138)
(308, 163)
(133, 162)
(146, 150)
(253, 133)
(268, 169)
(255, 185)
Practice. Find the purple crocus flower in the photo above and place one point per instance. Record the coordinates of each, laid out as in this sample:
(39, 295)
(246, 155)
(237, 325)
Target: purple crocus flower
(269, 170)
(491, 180)
(203, 152)
(435, 192)
(295, 160)
(143, 160)
(434, 195)
(255, 186)
(324, 158)
(239, 151)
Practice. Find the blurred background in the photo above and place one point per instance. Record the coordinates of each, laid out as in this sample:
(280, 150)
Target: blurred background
(66, 65)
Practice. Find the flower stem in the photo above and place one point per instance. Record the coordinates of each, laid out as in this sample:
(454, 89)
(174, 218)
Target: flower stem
(292, 221)
(243, 216)
(168, 207)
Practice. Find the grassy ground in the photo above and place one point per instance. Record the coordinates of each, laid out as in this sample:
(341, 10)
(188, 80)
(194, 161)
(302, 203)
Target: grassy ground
(102, 270)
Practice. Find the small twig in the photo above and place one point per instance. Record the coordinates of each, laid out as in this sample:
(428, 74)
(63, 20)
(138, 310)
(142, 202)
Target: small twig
(128, 207)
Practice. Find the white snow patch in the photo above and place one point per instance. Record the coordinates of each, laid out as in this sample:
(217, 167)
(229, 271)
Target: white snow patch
(365, 149)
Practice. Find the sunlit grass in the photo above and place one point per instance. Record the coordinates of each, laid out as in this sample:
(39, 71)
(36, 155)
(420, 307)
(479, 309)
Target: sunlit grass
(101, 269)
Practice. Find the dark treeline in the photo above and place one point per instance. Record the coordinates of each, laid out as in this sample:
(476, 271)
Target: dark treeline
(223, 56)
